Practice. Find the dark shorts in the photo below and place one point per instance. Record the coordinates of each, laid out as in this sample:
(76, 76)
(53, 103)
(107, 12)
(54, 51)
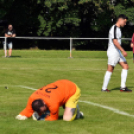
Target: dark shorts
(133, 55)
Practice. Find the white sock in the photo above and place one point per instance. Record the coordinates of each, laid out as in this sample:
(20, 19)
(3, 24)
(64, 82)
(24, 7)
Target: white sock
(123, 78)
(106, 80)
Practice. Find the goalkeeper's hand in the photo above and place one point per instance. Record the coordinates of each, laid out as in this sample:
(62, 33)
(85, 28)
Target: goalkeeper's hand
(35, 116)
(42, 117)
(21, 117)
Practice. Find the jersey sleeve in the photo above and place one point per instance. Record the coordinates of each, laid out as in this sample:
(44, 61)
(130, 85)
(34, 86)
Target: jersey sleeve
(54, 113)
(133, 39)
(115, 32)
(28, 111)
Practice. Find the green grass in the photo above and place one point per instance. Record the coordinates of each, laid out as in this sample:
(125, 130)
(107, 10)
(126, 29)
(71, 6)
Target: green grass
(87, 68)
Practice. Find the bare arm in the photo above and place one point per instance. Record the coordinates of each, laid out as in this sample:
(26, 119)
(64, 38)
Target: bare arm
(116, 43)
(28, 111)
(6, 35)
(14, 35)
(131, 45)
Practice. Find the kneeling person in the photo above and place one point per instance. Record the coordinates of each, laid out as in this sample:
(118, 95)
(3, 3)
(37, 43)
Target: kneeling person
(50, 97)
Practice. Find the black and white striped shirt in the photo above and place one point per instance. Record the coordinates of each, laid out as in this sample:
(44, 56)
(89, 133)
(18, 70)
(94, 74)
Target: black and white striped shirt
(114, 33)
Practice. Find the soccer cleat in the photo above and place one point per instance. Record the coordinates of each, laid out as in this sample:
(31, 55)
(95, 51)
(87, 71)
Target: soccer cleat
(105, 90)
(125, 90)
(81, 114)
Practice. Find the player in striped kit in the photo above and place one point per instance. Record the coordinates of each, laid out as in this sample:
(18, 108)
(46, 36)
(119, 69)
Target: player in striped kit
(116, 54)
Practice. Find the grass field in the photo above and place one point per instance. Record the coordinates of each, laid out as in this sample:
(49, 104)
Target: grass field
(38, 68)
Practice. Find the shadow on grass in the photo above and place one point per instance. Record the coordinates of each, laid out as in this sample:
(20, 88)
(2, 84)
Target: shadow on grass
(114, 89)
(118, 88)
(61, 118)
(15, 57)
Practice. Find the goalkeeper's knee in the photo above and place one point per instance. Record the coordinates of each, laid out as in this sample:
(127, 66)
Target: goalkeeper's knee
(71, 116)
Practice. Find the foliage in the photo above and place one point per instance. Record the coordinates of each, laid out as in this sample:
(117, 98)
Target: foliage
(65, 18)
(126, 7)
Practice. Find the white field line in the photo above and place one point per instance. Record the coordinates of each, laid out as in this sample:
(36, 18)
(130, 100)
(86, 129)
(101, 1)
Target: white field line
(8, 86)
(65, 69)
(117, 111)
(26, 87)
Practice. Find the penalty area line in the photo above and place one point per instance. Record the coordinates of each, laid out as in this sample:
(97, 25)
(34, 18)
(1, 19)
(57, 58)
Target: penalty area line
(117, 111)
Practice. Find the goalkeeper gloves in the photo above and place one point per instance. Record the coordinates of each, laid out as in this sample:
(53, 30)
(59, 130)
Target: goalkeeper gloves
(21, 117)
(37, 117)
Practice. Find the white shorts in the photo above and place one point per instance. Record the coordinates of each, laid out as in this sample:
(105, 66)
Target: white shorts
(10, 45)
(115, 59)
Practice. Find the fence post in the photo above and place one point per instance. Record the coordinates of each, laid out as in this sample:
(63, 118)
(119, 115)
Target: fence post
(71, 44)
(5, 44)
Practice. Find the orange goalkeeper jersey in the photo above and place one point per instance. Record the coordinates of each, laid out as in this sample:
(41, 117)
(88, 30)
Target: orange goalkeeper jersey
(54, 95)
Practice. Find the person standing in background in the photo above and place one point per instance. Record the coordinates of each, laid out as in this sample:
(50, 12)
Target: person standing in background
(132, 46)
(9, 33)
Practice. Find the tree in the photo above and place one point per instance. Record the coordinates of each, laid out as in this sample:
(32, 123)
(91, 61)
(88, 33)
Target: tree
(126, 7)
(65, 18)
(58, 18)
(4, 7)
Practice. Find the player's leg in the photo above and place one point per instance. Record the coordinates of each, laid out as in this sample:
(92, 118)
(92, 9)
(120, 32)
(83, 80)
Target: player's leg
(71, 111)
(112, 61)
(124, 74)
(107, 78)
(69, 114)
(10, 45)
(10, 52)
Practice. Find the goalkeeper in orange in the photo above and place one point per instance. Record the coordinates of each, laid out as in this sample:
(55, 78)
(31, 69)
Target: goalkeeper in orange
(44, 103)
